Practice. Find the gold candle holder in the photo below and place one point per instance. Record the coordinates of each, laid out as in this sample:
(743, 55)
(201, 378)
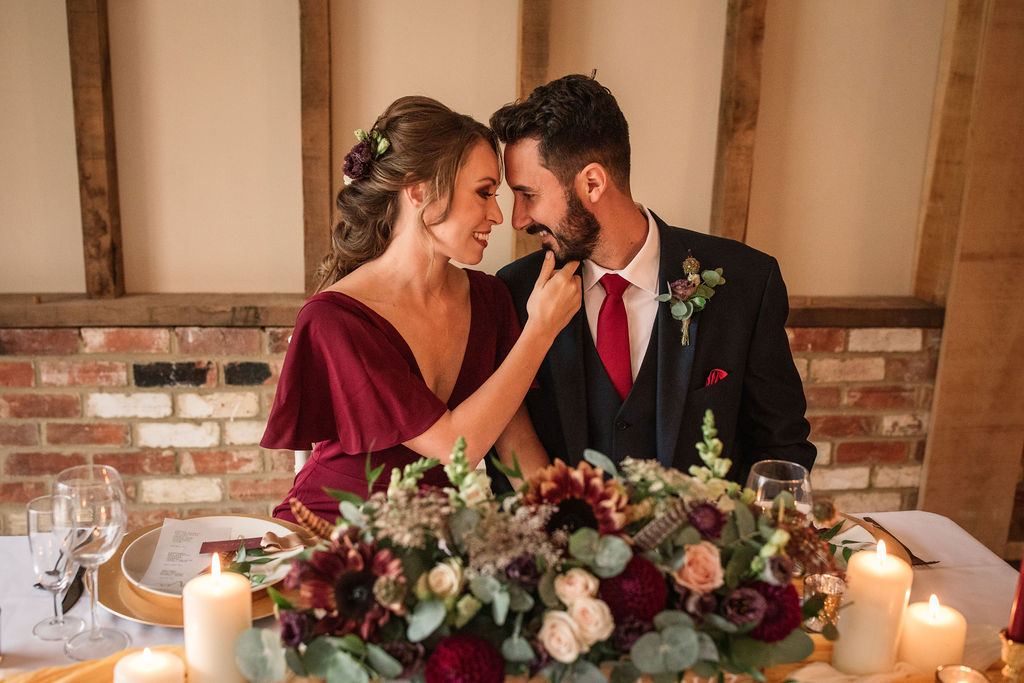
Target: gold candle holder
(1013, 659)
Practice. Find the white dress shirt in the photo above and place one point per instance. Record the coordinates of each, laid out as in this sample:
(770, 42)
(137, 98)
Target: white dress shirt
(640, 298)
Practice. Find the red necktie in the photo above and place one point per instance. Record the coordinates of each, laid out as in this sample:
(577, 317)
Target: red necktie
(613, 334)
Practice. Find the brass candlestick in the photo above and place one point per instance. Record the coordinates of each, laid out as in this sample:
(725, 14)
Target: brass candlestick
(1013, 659)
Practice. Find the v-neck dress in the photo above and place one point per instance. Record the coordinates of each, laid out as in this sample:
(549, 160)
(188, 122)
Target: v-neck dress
(350, 385)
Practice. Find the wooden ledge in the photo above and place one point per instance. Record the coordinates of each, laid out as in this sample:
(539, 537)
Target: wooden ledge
(279, 310)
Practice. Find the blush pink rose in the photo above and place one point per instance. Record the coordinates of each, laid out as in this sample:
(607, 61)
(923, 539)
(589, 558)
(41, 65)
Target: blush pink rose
(593, 618)
(702, 570)
(575, 584)
(560, 636)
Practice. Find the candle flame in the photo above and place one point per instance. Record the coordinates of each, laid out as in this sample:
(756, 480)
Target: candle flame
(215, 565)
(880, 549)
(933, 607)
(147, 657)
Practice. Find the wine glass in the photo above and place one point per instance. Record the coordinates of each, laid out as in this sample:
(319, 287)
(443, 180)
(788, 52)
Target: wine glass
(97, 517)
(769, 478)
(49, 542)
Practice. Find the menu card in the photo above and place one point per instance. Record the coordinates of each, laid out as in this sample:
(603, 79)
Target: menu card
(176, 558)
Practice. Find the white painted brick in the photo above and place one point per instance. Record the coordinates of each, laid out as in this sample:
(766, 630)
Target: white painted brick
(839, 478)
(15, 524)
(177, 434)
(181, 490)
(243, 431)
(904, 424)
(229, 405)
(868, 501)
(847, 370)
(896, 476)
(801, 368)
(885, 339)
(824, 452)
(128, 405)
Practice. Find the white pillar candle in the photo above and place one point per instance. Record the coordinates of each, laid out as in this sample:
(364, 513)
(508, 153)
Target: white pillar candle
(217, 608)
(870, 619)
(933, 635)
(149, 667)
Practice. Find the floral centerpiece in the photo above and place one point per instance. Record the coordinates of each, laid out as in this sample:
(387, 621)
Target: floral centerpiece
(587, 573)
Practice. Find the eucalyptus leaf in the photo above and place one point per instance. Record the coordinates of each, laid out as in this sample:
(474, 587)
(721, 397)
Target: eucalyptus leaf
(583, 671)
(484, 588)
(707, 651)
(745, 524)
(352, 643)
(294, 662)
(350, 512)
(667, 677)
(583, 544)
(624, 672)
(662, 298)
(517, 649)
(613, 554)
(795, 647)
(546, 589)
(688, 535)
(382, 662)
(600, 460)
(739, 564)
(749, 653)
(671, 617)
(681, 647)
(521, 601)
(425, 619)
(712, 277)
(647, 654)
(345, 669)
(720, 623)
(259, 655)
(704, 669)
(499, 607)
(681, 310)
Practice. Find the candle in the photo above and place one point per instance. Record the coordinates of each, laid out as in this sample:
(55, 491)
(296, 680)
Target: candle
(1016, 630)
(933, 635)
(149, 667)
(217, 607)
(878, 588)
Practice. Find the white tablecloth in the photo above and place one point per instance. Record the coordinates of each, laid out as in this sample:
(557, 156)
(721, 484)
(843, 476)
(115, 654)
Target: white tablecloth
(969, 578)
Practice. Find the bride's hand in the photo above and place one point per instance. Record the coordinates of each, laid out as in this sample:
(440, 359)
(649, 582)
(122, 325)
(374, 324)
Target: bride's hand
(555, 298)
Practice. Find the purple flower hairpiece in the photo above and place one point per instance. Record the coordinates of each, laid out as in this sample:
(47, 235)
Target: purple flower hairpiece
(360, 158)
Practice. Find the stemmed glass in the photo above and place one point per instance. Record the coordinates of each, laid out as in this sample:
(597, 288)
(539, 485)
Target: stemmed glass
(49, 541)
(97, 517)
(769, 478)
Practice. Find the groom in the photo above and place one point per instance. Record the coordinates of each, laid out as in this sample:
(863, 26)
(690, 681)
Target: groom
(619, 378)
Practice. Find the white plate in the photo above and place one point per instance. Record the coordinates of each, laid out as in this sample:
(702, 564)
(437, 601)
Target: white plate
(137, 556)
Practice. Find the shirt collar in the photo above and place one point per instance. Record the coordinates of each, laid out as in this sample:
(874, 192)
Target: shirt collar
(642, 271)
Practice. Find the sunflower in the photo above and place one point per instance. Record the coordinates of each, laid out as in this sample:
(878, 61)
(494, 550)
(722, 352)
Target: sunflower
(582, 495)
(343, 581)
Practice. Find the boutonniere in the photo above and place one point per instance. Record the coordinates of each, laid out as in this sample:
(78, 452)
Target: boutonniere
(688, 295)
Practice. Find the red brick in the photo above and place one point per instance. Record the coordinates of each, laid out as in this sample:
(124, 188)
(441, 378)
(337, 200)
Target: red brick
(932, 339)
(96, 433)
(871, 451)
(21, 491)
(83, 373)
(821, 397)
(19, 435)
(39, 405)
(125, 340)
(829, 339)
(16, 375)
(235, 509)
(927, 396)
(35, 464)
(224, 341)
(139, 518)
(221, 462)
(38, 342)
(277, 339)
(881, 397)
(841, 425)
(917, 368)
(138, 462)
(269, 488)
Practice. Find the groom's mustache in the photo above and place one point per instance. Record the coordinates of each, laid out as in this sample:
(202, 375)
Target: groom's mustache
(536, 228)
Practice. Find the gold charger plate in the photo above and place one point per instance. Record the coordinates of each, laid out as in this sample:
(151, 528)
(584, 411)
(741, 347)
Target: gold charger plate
(118, 595)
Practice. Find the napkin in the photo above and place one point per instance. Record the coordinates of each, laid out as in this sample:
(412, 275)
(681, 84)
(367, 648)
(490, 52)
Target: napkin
(820, 671)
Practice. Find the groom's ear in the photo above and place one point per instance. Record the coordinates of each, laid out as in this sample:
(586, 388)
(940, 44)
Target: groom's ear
(592, 182)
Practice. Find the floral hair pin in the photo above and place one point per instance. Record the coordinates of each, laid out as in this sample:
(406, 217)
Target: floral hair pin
(369, 148)
(690, 294)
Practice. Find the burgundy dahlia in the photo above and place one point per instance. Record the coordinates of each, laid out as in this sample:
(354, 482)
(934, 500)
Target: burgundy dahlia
(639, 591)
(744, 606)
(707, 519)
(463, 658)
(781, 614)
(357, 161)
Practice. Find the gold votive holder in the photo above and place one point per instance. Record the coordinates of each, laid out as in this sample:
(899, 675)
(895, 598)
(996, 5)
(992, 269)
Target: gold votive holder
(1013, 659)
(832, 587)
(959, 673)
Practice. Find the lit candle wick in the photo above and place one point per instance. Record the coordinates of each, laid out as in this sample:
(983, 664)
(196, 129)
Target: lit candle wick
(881, 553)
(933, 607)
(147, 658)
(215, 568)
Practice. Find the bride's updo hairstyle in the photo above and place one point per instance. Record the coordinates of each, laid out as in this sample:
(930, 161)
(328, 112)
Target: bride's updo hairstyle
(426, 141)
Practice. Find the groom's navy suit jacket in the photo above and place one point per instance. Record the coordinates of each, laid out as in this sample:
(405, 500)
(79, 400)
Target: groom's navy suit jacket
(758, 407)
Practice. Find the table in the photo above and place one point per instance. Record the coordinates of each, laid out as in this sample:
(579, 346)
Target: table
(968, 577)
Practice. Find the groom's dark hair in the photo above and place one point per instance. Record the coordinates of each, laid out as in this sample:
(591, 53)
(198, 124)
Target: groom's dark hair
(577, 121)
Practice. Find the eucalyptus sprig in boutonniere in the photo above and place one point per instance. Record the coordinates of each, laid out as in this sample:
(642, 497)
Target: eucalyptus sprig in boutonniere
(688, 295)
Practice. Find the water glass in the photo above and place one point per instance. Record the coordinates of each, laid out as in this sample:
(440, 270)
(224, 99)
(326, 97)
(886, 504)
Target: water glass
(769, 478)
(49, 542)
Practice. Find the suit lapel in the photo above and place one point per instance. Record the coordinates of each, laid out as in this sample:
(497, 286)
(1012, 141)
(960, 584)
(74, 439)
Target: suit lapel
(566, 362)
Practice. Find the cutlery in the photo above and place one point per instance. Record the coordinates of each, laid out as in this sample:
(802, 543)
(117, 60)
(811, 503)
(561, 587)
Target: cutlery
(915, 561)
(74, 591)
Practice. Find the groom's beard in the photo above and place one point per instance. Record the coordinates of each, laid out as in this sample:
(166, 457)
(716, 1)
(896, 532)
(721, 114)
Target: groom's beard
(577, 233)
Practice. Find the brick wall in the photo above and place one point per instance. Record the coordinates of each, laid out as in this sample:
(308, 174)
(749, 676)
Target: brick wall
(179, 412)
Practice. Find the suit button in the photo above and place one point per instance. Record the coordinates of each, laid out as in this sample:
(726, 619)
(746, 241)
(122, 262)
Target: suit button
(621, 425)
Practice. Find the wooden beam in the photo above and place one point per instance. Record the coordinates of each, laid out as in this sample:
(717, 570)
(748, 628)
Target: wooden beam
(946, 170)
(97, 154)
(737, 118)
(973, 455)
(317, 167)
(534, 52)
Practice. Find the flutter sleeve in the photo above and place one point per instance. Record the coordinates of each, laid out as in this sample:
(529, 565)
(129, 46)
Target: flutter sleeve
(348, 376)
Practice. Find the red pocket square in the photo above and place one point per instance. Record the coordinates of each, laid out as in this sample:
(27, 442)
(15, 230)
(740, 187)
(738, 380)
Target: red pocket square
(714, 376)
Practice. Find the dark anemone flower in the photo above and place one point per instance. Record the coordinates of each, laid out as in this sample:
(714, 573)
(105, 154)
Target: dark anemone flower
(357, 161)
(523, 570)
(296, 627)
(743, 606)
(782, 612)
(778, 570)
(697, 605)
(707, 519)
(627, 631)
(410, 655)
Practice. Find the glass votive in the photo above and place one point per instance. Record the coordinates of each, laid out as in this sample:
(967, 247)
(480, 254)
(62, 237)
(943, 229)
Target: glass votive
(958, 673)
(832, 587)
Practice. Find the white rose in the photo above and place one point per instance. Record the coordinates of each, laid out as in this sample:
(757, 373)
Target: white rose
(593, 618)
(575, 584)
(560, 637)
(445, 579)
